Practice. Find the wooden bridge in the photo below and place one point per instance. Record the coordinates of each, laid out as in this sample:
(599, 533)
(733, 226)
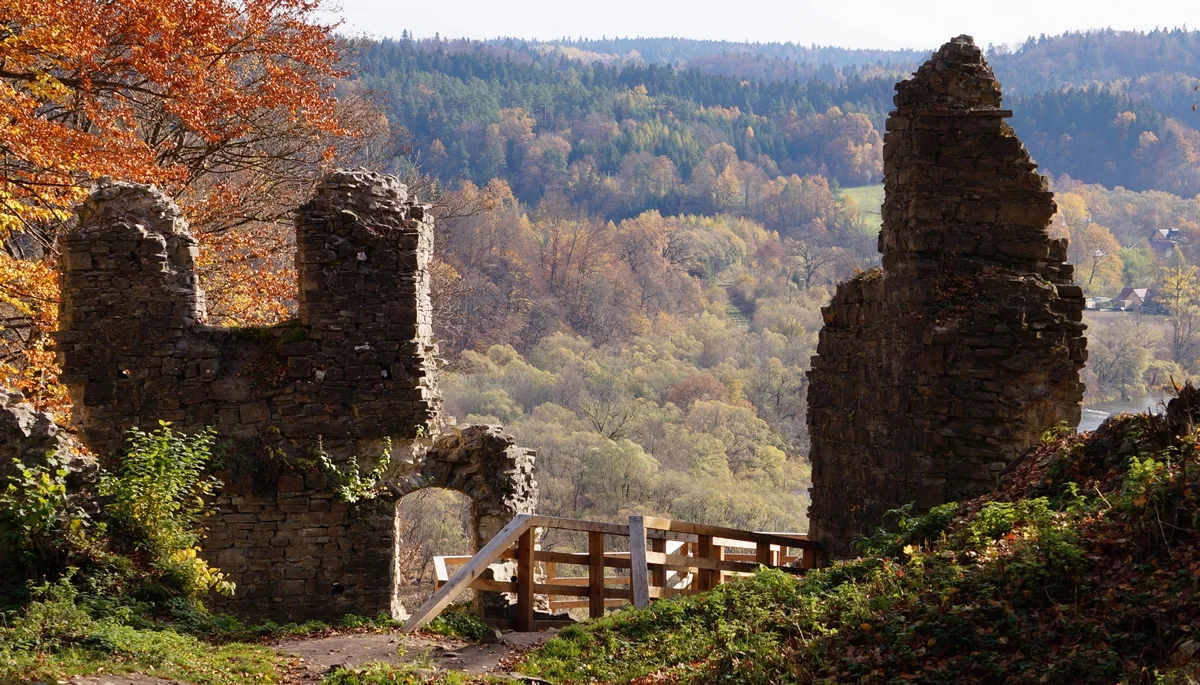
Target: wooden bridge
(666, 558)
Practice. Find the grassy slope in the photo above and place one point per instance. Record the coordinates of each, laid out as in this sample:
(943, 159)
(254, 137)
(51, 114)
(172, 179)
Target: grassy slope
(868, 199)
(1081, 568)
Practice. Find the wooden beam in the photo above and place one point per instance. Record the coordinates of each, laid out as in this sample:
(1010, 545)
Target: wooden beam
(579, 591)
(525, 581)
(485, 585)
(658, 572)
(596, 574)
(764, 554)
(557, 604)
(704, 551)
(611, 559)
(719, 574)
(638, 572)
(584, 581)
(576, 524)
(732, 536)
(677, 562)
(468, 573)
(810, 558)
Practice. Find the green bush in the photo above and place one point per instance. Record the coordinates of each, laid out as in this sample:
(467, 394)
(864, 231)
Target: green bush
(912, 530)
(460, 622)
(159, 496)
(998, 518)
(39, 524)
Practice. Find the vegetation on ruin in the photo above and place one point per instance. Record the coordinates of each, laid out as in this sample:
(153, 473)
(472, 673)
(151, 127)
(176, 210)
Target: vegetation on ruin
(83, 583)
(1081, 568)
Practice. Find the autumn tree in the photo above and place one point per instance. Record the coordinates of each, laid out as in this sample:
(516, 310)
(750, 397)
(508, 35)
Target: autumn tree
(1179, 294)
(224, 103)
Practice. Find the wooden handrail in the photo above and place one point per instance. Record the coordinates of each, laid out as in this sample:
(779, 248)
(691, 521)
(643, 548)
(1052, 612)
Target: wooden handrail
(666, 558)
(732, 535)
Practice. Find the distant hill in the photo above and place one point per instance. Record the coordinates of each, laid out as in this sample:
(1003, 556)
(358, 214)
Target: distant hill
(1109, 107)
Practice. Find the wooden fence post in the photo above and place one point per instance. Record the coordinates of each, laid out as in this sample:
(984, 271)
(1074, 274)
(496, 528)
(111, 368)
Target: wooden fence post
(704, 550)
(595, 574)
(808, 558)
(525, 582)
(639, 583)
(658, 572)
(764, 555)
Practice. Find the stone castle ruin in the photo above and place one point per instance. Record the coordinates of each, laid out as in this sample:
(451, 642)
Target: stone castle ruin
(936, 371)
(354, 371)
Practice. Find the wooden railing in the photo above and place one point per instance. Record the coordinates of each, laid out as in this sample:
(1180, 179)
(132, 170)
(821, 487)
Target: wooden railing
(665, 558)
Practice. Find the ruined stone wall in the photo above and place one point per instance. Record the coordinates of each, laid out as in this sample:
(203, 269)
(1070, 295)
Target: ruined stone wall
(353, 371)
(934, 372)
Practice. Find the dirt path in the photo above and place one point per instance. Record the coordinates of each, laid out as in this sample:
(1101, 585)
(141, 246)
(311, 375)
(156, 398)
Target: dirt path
(316, 657)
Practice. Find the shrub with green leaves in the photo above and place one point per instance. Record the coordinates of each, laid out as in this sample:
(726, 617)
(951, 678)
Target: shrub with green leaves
(459, 622)
(160, 492)
(911, 530)
(351, 484)
(39, 524)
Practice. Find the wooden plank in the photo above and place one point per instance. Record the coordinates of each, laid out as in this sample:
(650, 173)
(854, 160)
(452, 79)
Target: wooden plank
(764, 554)
(494, 585)
(658, 572)
(557, 604)
(576, 524)
(459, 582)
(705, 579)
(638, 572)
(439, 570)
(731, 536)
(596, 574)
(460, 559)
(810, 559)
(611, 560)
(578, 591)
(677, 562)
(525, 581)
(719, 574)
(584, 581)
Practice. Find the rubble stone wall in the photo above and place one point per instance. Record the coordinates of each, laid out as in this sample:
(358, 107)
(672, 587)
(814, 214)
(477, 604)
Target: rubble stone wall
(354, 371)
(936, 371)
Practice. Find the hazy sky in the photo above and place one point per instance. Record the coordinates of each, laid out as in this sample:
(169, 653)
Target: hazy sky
(857, 23)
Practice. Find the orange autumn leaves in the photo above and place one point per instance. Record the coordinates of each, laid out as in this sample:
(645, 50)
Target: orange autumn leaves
(127, 88)
(214, 100)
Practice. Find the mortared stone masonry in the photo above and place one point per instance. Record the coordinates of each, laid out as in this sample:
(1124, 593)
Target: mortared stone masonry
(937, 370)
(353, 371)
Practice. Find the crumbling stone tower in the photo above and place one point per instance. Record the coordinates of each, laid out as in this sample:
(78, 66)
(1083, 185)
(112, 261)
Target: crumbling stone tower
(933, 373)
(355, 370)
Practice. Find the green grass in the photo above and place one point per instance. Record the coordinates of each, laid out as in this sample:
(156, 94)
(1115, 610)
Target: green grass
(116, 649)
(62, 632)
(868, 199)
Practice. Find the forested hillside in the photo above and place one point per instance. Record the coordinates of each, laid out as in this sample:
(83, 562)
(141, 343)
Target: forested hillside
(1104, 107)
(656, 222)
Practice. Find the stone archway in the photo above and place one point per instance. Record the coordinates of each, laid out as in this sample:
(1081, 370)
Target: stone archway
(482, 462)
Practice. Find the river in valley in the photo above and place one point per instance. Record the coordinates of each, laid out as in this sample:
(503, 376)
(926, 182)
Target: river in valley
(1094, 415)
